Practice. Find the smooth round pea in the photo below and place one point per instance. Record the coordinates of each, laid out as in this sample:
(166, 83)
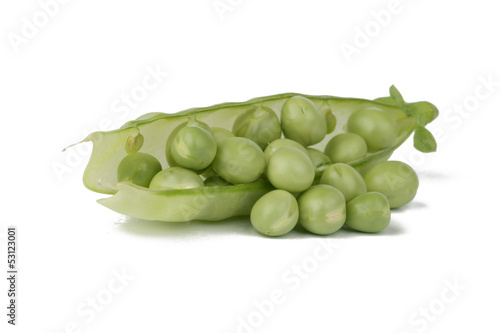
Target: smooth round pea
(276, 144)
(170, 140)
(346, 147)
(368, 212)
(303, 121)
(375, 126)
(221, 134)
(239, 160)
(395, 179)
(290, 169)
(259, 124)
(344, 178)
(194, 146)
(318, 158)
(322, 209)
(175, 178)
(138, 168)
(275, 213)
(216, 181)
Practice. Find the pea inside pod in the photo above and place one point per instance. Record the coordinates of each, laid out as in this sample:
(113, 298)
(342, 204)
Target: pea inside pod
(194, 146)
(142, 202)
(138, 168)
(276, 144)
(344, 178)
(376, 127)
(346, 147)
(302, 121)
(175, 178)
(290, 169)
(259, 124)
(239, 160)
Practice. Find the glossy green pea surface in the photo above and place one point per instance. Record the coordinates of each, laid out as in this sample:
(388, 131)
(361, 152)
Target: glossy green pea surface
(239, 160)
(170, 141)
(259, 124)
(290, 169)
(275, 213)
(322, 209)
(346, 147)
(344, 178)
(194, 146)
(138, 168)
(395, 179)
(276, 144)
(368, 212)
(302, 121)
(375, 126)
(175, 178)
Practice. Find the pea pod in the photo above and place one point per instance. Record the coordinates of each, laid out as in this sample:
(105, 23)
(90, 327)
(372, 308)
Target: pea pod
(215, 203)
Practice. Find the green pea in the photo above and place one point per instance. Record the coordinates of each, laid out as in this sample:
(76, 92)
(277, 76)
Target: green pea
(344, 178)
(259, 124)
(275, 213)
(239, 160)
(276, 144)
(194, 146)
(175, 178)
(170, 140)
(290, 169)
(318, 158)
(322, 209)
(138, 168)
(302, 121)
(346, 147)
(368, 212)
(216, 181)
(396, 180)
(375, 126)
(221, 134)
(331, 121)
(134, 143)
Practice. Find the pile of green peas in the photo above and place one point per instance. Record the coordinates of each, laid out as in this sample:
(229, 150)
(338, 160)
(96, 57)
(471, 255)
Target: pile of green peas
(318, 190)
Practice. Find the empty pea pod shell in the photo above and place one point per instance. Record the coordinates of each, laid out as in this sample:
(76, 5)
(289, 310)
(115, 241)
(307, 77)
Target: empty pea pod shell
(216, 203)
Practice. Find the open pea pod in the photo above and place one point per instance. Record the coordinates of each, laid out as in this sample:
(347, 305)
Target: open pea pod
(216, 203)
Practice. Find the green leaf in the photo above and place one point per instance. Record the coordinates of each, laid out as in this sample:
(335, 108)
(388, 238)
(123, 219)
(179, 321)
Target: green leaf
(425, 112)
(398, 98)
(423, 140)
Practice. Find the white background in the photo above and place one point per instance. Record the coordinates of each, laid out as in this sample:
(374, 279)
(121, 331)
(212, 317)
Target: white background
(66, 78)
